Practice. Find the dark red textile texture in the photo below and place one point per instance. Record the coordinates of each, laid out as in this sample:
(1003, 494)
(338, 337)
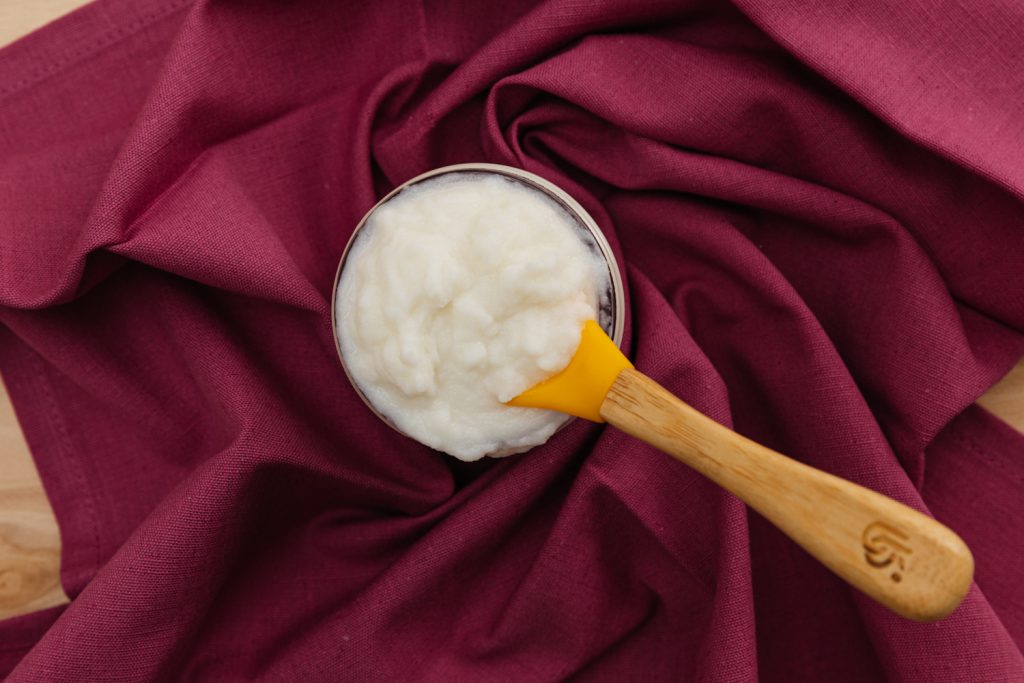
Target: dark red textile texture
(818, 210)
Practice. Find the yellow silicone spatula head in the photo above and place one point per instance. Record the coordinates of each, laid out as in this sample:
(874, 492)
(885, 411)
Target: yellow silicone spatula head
(581, 387)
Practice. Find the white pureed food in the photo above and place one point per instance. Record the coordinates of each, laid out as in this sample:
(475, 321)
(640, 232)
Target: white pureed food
(460, 293)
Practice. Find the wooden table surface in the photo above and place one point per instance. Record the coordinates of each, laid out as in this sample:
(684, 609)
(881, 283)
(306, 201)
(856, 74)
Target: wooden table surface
(29, 537)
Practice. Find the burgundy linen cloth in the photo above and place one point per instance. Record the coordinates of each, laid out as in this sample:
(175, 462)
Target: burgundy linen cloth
(818, 210)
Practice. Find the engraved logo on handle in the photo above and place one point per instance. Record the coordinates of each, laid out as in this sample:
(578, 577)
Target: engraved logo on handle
(886, 546)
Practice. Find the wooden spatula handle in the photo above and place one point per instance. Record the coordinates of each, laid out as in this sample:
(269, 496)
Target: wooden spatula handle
(903, 559)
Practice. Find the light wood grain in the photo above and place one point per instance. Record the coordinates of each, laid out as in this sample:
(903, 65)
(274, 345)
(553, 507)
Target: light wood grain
(29, 537)
(19, 17)
(903, 559)
(1006, 399)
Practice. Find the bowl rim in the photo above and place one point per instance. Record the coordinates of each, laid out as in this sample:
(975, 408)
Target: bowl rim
(563, 198)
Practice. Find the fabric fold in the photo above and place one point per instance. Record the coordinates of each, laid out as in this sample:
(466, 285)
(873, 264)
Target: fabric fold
(818, 219)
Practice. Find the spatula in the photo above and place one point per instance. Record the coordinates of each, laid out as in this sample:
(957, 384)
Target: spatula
(905, 560)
